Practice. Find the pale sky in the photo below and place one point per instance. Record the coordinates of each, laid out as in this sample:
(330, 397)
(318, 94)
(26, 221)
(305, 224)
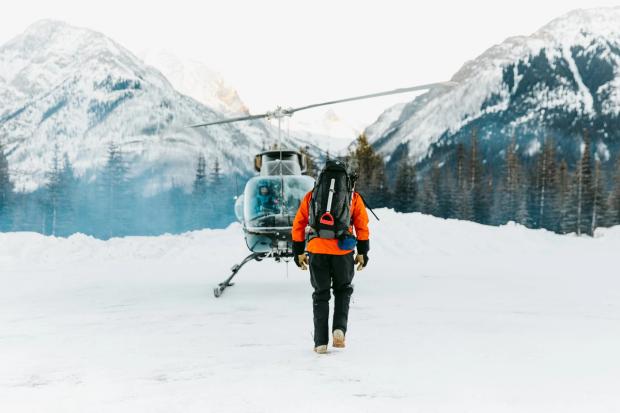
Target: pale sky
(293, 53)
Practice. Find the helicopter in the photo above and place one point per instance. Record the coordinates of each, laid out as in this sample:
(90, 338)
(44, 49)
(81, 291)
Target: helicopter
(270, 200)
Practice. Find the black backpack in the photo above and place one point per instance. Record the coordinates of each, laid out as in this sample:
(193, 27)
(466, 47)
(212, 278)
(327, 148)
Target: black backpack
(329, 213)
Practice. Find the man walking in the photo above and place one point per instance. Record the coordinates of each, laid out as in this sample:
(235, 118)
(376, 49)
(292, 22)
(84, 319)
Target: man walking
(324, 227)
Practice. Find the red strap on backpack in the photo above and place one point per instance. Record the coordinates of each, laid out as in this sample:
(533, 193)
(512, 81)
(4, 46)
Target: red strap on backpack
(327, 219)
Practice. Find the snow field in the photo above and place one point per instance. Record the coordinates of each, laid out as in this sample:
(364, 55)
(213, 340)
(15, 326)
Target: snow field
(448, 316)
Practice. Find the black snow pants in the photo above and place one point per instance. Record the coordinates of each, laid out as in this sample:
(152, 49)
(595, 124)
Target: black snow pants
(335, 271)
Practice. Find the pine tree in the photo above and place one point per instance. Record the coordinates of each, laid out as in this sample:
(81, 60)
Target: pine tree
(513, 200)
(614, 200)
(474, 161)
(371, 181)
(584, 194)
(219, 199)
(544, 188)
(447, 192)
(200, 179)
(406, 189)
(462, 196)
(200, 208)
(429, 199)
(6, 191)
(599, 203)
(379, 192)
(485, 198)
(565, 218)
(478, 186)
(215, 177)
(54, 193)
(66, 212)
(115, 196)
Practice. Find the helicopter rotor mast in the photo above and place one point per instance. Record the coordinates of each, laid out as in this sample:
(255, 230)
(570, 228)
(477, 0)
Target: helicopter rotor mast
(278, 114)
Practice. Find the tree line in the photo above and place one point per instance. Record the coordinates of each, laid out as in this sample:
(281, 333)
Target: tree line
(114, 204)
(542, 191)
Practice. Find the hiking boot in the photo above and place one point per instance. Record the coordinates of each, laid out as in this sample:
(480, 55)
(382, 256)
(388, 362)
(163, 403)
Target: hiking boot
(338, 341)
(321, 349)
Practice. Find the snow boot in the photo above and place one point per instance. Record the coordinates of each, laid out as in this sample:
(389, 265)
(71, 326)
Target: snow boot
(321, 349)
(338, 340)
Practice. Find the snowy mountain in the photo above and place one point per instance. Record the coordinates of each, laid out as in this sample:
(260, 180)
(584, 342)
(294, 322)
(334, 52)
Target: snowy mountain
(322, 128)
(195, 79)
(563, 78)
(77, 90)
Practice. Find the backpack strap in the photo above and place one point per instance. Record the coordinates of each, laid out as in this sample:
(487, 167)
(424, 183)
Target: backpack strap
(366, 205)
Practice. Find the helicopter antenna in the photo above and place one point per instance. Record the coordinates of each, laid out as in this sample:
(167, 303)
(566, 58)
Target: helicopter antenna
(281, 175)
(281, 112)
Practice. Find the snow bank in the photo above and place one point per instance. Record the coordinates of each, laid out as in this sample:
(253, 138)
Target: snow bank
(34, 248)
(397, 235)
(448, 316)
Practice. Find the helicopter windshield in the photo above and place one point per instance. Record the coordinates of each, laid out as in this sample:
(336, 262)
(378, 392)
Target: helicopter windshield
(271, 164)
(269, 204)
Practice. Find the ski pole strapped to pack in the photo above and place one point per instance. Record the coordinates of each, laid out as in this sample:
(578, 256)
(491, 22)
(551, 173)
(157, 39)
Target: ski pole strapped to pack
(327, 218)
(330, 206)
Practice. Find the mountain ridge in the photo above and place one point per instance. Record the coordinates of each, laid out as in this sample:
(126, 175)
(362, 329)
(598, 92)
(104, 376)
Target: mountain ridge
(77, 90)
(556, 69)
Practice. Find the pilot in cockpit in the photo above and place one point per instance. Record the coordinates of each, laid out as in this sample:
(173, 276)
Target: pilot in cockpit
(266, 201)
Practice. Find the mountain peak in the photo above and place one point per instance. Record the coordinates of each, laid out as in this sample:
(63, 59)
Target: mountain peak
(62, 40)
(583, 22)
(46, 25)
(49, 52)
(195, 79)
(54, 32)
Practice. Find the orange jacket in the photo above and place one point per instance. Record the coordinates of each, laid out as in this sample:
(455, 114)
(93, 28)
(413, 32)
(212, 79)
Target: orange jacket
(330, 246)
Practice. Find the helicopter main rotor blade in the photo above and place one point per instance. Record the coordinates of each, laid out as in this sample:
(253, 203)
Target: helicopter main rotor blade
(375, 95)
(281, 112)
(219, 122)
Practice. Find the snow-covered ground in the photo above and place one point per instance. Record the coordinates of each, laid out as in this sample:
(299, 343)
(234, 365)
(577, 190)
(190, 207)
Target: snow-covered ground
(448, 317)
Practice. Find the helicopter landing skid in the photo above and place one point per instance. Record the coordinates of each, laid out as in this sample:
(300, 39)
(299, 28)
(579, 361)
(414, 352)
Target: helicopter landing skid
(217, 291)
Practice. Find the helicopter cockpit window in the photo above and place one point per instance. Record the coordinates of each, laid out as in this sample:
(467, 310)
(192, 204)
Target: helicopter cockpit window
(267, 202)
(267, 199)
(290, 165)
